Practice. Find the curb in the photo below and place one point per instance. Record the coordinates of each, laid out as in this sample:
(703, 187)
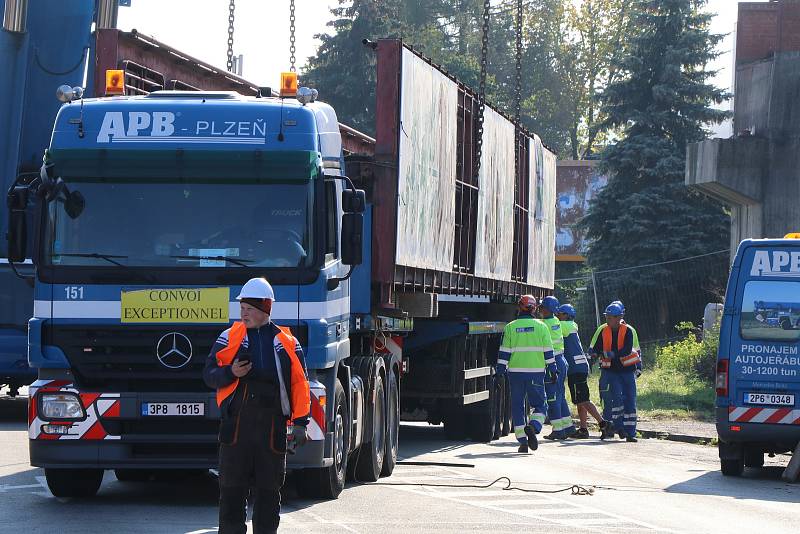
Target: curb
(695, 440)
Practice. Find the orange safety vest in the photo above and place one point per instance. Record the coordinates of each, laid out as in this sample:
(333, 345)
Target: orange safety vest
(300, 400)
(626, 361)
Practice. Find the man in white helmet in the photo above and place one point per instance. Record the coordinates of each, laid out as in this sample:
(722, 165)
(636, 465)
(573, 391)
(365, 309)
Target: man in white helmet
(258, 370)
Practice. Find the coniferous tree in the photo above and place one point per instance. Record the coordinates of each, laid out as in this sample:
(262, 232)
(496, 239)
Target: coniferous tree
(660, 103)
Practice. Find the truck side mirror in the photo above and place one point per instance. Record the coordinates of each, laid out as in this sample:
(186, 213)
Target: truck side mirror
(17, 201)
(352, 238)
(354, 201)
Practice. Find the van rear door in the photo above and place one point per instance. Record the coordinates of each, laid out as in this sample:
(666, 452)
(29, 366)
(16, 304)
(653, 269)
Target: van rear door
(764, 368)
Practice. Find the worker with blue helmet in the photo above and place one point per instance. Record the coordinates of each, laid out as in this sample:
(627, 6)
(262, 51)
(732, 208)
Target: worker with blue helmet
(577, 372)
(557, 406)
(614, 345)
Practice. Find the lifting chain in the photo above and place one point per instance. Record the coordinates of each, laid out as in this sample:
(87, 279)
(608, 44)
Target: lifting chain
(482, 87)
(518, 80)
(231, 8)
(518, 95)
(291, 36)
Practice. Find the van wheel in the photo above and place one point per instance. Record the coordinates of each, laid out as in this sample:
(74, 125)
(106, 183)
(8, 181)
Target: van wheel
(328, 482)
(753, 458)
(79, 483)
(732, 467)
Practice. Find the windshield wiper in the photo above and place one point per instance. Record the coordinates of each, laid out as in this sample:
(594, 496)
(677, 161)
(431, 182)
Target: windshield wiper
(241, 262)
(110, 258)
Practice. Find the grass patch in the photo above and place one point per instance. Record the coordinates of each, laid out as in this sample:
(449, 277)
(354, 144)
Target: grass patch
(663, 393)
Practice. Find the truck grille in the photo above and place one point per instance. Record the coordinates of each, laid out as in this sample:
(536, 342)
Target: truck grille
(122, 359)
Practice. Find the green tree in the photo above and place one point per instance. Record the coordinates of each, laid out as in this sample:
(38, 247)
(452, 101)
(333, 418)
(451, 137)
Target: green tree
(660, 101)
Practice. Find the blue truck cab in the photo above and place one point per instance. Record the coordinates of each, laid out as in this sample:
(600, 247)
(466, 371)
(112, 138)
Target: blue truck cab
(758, 365)
(156, 209)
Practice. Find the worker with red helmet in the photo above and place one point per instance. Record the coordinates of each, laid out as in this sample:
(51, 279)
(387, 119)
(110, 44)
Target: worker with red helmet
(526, 354)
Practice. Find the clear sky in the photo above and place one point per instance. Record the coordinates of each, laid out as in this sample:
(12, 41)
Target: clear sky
(261, 33)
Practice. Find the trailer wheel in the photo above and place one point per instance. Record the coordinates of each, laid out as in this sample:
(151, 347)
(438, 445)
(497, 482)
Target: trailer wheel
(328, 482)
(498, 409)
(392, 425)
(482, 420)
(369, 463)
(507, 424)
(455, 427)
(79, 483)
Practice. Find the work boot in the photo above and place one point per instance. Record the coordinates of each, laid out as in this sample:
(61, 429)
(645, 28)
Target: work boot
(552, 436)
(533, 443)
(603, 428)
(631, 439)
(621, 434)
(523, 447)
(581, 433)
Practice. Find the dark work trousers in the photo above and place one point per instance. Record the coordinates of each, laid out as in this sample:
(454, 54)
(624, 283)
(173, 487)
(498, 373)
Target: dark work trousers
(253, 466)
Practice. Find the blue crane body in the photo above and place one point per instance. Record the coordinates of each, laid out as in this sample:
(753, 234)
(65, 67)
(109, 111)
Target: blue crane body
(49, 49)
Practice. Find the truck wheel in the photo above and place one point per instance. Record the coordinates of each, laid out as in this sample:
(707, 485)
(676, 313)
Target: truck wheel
(328, 482)
(498, 409)
(482, 421)
(369, 463)
(506, 408)
(786, 324)
(79, 483)
(753, 458)
(732, 467)
(455, 424)
(392, 426)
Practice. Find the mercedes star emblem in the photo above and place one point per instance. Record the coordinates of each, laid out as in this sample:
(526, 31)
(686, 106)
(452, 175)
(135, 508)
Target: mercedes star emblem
(174, 350)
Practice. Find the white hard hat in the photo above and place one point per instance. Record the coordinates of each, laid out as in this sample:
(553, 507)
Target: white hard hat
(257, 288)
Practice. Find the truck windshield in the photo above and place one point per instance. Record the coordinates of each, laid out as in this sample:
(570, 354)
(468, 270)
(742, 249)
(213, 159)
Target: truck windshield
(184, 224)
(771, 311)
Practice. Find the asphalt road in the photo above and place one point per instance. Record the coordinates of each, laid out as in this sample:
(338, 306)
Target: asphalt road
(649, 486)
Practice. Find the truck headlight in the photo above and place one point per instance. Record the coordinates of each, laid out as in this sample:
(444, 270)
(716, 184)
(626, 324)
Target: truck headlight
(61, 406)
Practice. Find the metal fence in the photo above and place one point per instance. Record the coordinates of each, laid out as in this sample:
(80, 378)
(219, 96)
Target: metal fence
(657, 296)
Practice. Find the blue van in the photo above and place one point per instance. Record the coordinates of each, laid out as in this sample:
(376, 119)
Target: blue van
(758, 365)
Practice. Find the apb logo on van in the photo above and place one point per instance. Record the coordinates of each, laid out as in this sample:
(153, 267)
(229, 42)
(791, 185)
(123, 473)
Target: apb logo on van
(776, 263)
(160, 124)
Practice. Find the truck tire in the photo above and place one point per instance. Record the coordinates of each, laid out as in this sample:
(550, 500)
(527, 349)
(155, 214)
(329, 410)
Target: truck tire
(455, 424)
(328, 482)
(482, 419)
(78, 483)
(507, 424)
(753, 458)
(786, 323)
(392, 425)
(732, 467)
(369, 458)
(498, 409)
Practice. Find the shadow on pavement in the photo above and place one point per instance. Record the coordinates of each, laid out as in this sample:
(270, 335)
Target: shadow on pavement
(763, 484)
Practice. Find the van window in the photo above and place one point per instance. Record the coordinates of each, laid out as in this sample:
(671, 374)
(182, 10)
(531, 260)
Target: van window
(771, 311)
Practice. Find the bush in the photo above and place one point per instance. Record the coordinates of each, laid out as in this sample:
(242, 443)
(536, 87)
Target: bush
(691, 356)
